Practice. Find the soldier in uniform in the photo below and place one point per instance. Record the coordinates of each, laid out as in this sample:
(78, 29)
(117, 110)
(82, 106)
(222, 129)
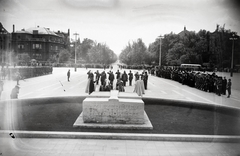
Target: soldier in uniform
(130, 77)
(97, 76)
(229, 85)
(124, 78)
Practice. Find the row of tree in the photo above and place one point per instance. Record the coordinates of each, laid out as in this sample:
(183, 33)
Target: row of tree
(88, 51)
(203, 47)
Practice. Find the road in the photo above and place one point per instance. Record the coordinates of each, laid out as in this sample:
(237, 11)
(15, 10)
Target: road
(56, 84)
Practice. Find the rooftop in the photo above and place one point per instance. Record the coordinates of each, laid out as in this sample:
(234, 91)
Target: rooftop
(40, 30)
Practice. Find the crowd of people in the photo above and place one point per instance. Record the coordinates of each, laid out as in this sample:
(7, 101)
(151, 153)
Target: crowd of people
(203, 81)
(107, 78)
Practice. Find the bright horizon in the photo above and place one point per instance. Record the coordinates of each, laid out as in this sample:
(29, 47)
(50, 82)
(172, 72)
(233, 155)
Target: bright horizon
(117, 22)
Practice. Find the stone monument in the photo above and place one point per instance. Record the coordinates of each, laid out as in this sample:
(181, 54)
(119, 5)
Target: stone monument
(113, 109)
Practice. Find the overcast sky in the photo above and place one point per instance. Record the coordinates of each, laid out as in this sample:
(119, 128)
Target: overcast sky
(117, 22)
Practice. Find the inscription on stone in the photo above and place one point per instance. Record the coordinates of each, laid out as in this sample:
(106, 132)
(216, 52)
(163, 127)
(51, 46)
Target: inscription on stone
(104, 110)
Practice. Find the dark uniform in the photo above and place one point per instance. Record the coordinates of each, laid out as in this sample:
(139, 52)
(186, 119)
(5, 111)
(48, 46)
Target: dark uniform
(130, 77)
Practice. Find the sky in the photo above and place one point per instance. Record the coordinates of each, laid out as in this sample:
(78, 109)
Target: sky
(118, 22)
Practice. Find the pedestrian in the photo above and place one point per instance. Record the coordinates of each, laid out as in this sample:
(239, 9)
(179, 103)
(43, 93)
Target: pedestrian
(118, 74)
(103, 77)
(1, 88)
(111, 77)
(224, 86)
(68, 75)
(229, 85)
(14, 93)
(97, 76)
(124, 78)
(90, 84)
(138, 87)
(145, 80)
(219, 86)
(130, 77)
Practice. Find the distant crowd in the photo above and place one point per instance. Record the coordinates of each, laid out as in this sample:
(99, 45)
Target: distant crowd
(203, 81)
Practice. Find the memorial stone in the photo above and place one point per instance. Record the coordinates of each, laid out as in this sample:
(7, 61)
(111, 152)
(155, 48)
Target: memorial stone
(108, 108)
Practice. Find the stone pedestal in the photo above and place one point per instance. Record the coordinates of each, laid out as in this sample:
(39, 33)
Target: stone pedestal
(110, 111)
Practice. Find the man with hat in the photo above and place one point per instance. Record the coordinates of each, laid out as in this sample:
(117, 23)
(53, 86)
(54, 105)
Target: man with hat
(14, 93)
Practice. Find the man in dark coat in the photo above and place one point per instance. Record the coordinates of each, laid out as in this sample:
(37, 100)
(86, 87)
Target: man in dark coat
(111, 77)
(124, 78)
(130, 77)
(97, 76)
(229, 85)
(103, 77)
(91, 85)
(68, 75)
(145, 80)
(118, 74)
(224, 86)
(14, 93)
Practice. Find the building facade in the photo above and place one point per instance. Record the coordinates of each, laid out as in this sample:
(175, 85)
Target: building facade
(39, 43)
(5, 43)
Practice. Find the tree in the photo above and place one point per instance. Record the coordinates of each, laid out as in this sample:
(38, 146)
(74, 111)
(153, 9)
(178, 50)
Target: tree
(125, 55)
(64, 56)
(100, 53)
(135, 54)
(82, 50)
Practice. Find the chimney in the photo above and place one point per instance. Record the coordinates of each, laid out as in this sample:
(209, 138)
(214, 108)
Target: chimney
(68, 32)
(13, 28)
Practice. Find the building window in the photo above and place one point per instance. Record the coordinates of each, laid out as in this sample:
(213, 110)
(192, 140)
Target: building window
(37, 46)
(20, 46)
(56, 48)
(37, 56)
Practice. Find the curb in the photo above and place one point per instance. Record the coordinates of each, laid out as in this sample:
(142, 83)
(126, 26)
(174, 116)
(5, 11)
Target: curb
(120, 136)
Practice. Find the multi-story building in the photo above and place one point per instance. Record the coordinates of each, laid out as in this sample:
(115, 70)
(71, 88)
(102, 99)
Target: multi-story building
(5, 43)
(39, 43)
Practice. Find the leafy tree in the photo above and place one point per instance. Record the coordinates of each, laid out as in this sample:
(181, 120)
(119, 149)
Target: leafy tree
(135, 53)
(64, 56)
(125, 55)
(100, 53)
(82, 50)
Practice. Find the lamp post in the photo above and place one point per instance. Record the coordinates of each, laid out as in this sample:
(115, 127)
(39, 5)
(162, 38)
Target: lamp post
(76, 34)
(160, 49)
(232, 38)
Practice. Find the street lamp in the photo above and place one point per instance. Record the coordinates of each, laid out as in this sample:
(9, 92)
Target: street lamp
(232, 38)
(160, 49)
(76, 34)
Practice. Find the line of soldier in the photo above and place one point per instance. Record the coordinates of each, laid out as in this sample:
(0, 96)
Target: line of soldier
(122, 79)
(203, 81)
